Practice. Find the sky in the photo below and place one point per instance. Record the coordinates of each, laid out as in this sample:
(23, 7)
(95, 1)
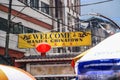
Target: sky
(109, 9)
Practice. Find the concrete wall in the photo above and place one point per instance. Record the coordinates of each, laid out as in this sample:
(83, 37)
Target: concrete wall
(55, 69)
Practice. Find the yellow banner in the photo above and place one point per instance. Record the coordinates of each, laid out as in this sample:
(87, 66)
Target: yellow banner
(55, 39)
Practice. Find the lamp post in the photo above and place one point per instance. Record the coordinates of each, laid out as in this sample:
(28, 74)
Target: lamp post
(100, 15)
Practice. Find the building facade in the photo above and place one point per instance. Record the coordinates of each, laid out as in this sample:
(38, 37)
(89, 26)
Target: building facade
(39, 16)
(33, 16)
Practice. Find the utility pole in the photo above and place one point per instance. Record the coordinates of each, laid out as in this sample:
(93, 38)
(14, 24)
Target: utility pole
(6, 55)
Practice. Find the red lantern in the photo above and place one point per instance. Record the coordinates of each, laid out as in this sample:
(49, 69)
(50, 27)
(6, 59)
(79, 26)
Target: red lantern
(43, 48)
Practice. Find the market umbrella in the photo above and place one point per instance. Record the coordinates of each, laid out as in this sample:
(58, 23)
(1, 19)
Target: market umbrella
(75, 59)
(13, 73)
(103, 58)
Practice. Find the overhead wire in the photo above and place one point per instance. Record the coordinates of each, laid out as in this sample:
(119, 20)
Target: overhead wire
(96, 3)
(35, 50)
(54, 7)
(62, 6)
(51, 18)
(18, 13)
(40, 7)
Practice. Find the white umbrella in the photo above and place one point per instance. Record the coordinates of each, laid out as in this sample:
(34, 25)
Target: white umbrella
(103, 57)
(13, 73)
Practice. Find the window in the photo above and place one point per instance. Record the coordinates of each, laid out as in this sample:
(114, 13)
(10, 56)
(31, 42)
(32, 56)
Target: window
(24, 1)
(28, 30)
(35, 31)
(34, 4)
(17, 28)
(45, 8)
(3, 24)
(75, 5)
(70, 21)
(68, 3)
(76, 21)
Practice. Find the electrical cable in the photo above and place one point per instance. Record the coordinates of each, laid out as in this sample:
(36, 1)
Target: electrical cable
(63, 6)
(18, 13)
(51, 7)
(55, 19)
(96, 3)
(40, 7)
(64, 27)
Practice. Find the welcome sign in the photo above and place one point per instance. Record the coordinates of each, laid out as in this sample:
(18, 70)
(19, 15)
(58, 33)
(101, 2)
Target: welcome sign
(55, 39)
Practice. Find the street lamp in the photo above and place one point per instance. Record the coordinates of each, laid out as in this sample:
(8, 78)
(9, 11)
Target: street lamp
(100, 15)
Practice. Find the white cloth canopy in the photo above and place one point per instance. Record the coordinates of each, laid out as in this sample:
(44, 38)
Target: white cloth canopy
(13, 73)
(105, 56)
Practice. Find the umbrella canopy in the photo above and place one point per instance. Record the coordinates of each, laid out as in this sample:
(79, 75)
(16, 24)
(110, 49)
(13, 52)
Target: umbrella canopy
(13, 73)
(77, 58)
(103, 57)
